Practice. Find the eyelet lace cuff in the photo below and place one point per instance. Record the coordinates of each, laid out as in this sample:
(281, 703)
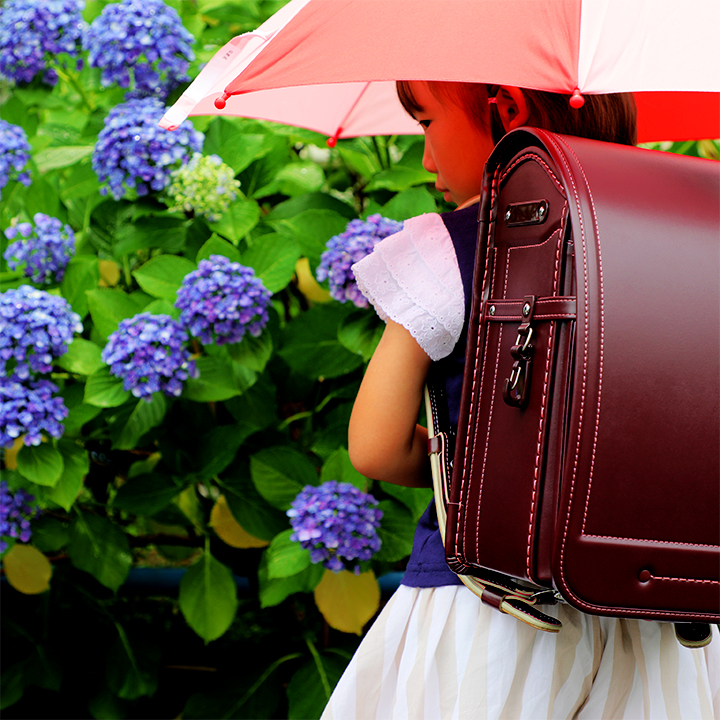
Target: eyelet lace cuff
(413, 278)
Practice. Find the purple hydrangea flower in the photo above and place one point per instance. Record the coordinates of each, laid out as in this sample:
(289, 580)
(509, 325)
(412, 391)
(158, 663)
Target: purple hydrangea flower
(14, 154)
(358, 240)
(133, 152)
(142, 42)
(35, 328)
(221, 300)
(16, 511)
(148, 352)
(337, 523)
(45, 249)
(34, 32)
(29, 409)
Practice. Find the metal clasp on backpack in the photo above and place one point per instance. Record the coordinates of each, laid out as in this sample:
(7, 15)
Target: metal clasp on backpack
(516, 390)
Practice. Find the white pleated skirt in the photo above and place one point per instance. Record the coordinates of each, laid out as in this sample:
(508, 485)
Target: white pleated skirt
(440, 653)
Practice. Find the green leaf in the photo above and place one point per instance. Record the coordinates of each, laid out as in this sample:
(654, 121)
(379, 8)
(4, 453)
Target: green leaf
(78, 416)
(218, 380)
(217, 246)
(132, 669)
(311, 201)
(42, 464)
(286, 557)
(105, 390)
(80, 182)
(49, 535)
(108, 307)
(360, 333)
(145, 416)
(218, 448)
(161, 276)
(280, 473)
(75, 467)
(81, 275)
(274, 591)
(397, 530)
(273, 257)
(238, 220)
(163, 232)
(101, 548)
(43, 198)
(364, 164)
(82, 357)
(409, 203)
(12, 685)
(301, 177)
(252, 352)
(399, 178)
(308, 689)
(257, 407)
(338, 467)
(415, 499)
(311, 347)
(249, 508)
(146, 494)
(53, 158)
(225, 137)
(208, 597)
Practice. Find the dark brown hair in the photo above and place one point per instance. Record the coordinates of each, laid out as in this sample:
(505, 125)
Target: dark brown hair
(611, 117)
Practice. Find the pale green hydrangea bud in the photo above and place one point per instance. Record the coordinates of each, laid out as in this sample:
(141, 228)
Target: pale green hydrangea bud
(205, 186)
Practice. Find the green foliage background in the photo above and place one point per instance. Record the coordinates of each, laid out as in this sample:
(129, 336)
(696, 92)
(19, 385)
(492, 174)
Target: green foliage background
(217, 631)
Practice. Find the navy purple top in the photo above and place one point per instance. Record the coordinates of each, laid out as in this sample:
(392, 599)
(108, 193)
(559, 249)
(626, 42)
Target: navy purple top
(427, 566)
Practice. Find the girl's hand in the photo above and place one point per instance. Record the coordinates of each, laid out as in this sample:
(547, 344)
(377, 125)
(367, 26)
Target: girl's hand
(385, 441)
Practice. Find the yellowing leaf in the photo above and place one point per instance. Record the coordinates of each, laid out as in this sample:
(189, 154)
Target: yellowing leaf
(11, 454)
(308, 285)
(229, 530)
(347, 601)
(27, 569)
(109, 273)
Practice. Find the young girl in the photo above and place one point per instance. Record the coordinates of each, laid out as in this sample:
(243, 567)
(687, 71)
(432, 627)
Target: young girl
(436, 651)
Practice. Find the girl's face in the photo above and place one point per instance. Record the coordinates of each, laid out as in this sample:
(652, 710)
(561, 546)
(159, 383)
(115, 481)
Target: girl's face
(455, 149)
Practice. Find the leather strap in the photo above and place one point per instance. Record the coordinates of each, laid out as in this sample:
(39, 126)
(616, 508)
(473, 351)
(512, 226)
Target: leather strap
(549, 308)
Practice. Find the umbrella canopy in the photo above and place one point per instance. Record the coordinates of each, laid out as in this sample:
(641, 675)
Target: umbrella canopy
(330, 65)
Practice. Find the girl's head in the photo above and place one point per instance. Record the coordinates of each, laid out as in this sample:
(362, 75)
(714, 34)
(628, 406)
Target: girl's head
(461, 127)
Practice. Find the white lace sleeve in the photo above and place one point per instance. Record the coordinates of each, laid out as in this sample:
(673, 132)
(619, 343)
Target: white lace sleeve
(413, 278)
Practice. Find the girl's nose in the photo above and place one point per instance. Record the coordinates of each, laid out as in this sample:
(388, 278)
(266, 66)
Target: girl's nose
(427, 160)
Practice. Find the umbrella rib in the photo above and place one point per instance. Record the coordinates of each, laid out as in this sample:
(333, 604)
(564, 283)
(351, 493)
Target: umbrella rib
(332, 141)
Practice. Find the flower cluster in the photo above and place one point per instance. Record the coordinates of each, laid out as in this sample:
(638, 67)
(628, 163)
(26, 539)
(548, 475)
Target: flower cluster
(29, 409)
(35, 32)
(36, 328)
(221, 300)
(133, 152)
(205, 186)
(142, 37)
(45, 249)
(338, 524)
(147, 351)
(358, 240)
(14, 154)
(16, 511)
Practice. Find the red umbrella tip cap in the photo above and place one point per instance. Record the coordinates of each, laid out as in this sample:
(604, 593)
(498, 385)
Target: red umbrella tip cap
(332, 141)
(220, 101)
(576, 101)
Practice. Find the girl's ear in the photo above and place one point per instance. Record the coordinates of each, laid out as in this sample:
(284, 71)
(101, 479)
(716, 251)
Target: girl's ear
(512, 107)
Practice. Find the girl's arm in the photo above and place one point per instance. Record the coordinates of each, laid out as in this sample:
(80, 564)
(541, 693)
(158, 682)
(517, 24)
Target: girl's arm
(385, 441)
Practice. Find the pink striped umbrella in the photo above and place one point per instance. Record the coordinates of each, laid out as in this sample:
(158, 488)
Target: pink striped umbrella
(330, 65)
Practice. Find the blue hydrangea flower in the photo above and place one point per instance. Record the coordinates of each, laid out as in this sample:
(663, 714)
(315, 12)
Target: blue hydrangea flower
(337, 523)
(37, 327)
(34, 32)
(29, 409)
(14, 154)
(45, 250)
(221, 300)
(16, 511)
(143, 43)
(148, 352)
(133, 152)
(205, 186)
(358, 240)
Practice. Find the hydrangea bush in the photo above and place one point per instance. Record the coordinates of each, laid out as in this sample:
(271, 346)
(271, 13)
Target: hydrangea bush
(44, 250)
(222, 300)
(30, 410)
(37, 329)
(337, 523)
(33, 33)
(148, 353)
(343, 250)
(140, 44)
(17, 509)
(205, 186)
(132, 152)
(14, 155)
